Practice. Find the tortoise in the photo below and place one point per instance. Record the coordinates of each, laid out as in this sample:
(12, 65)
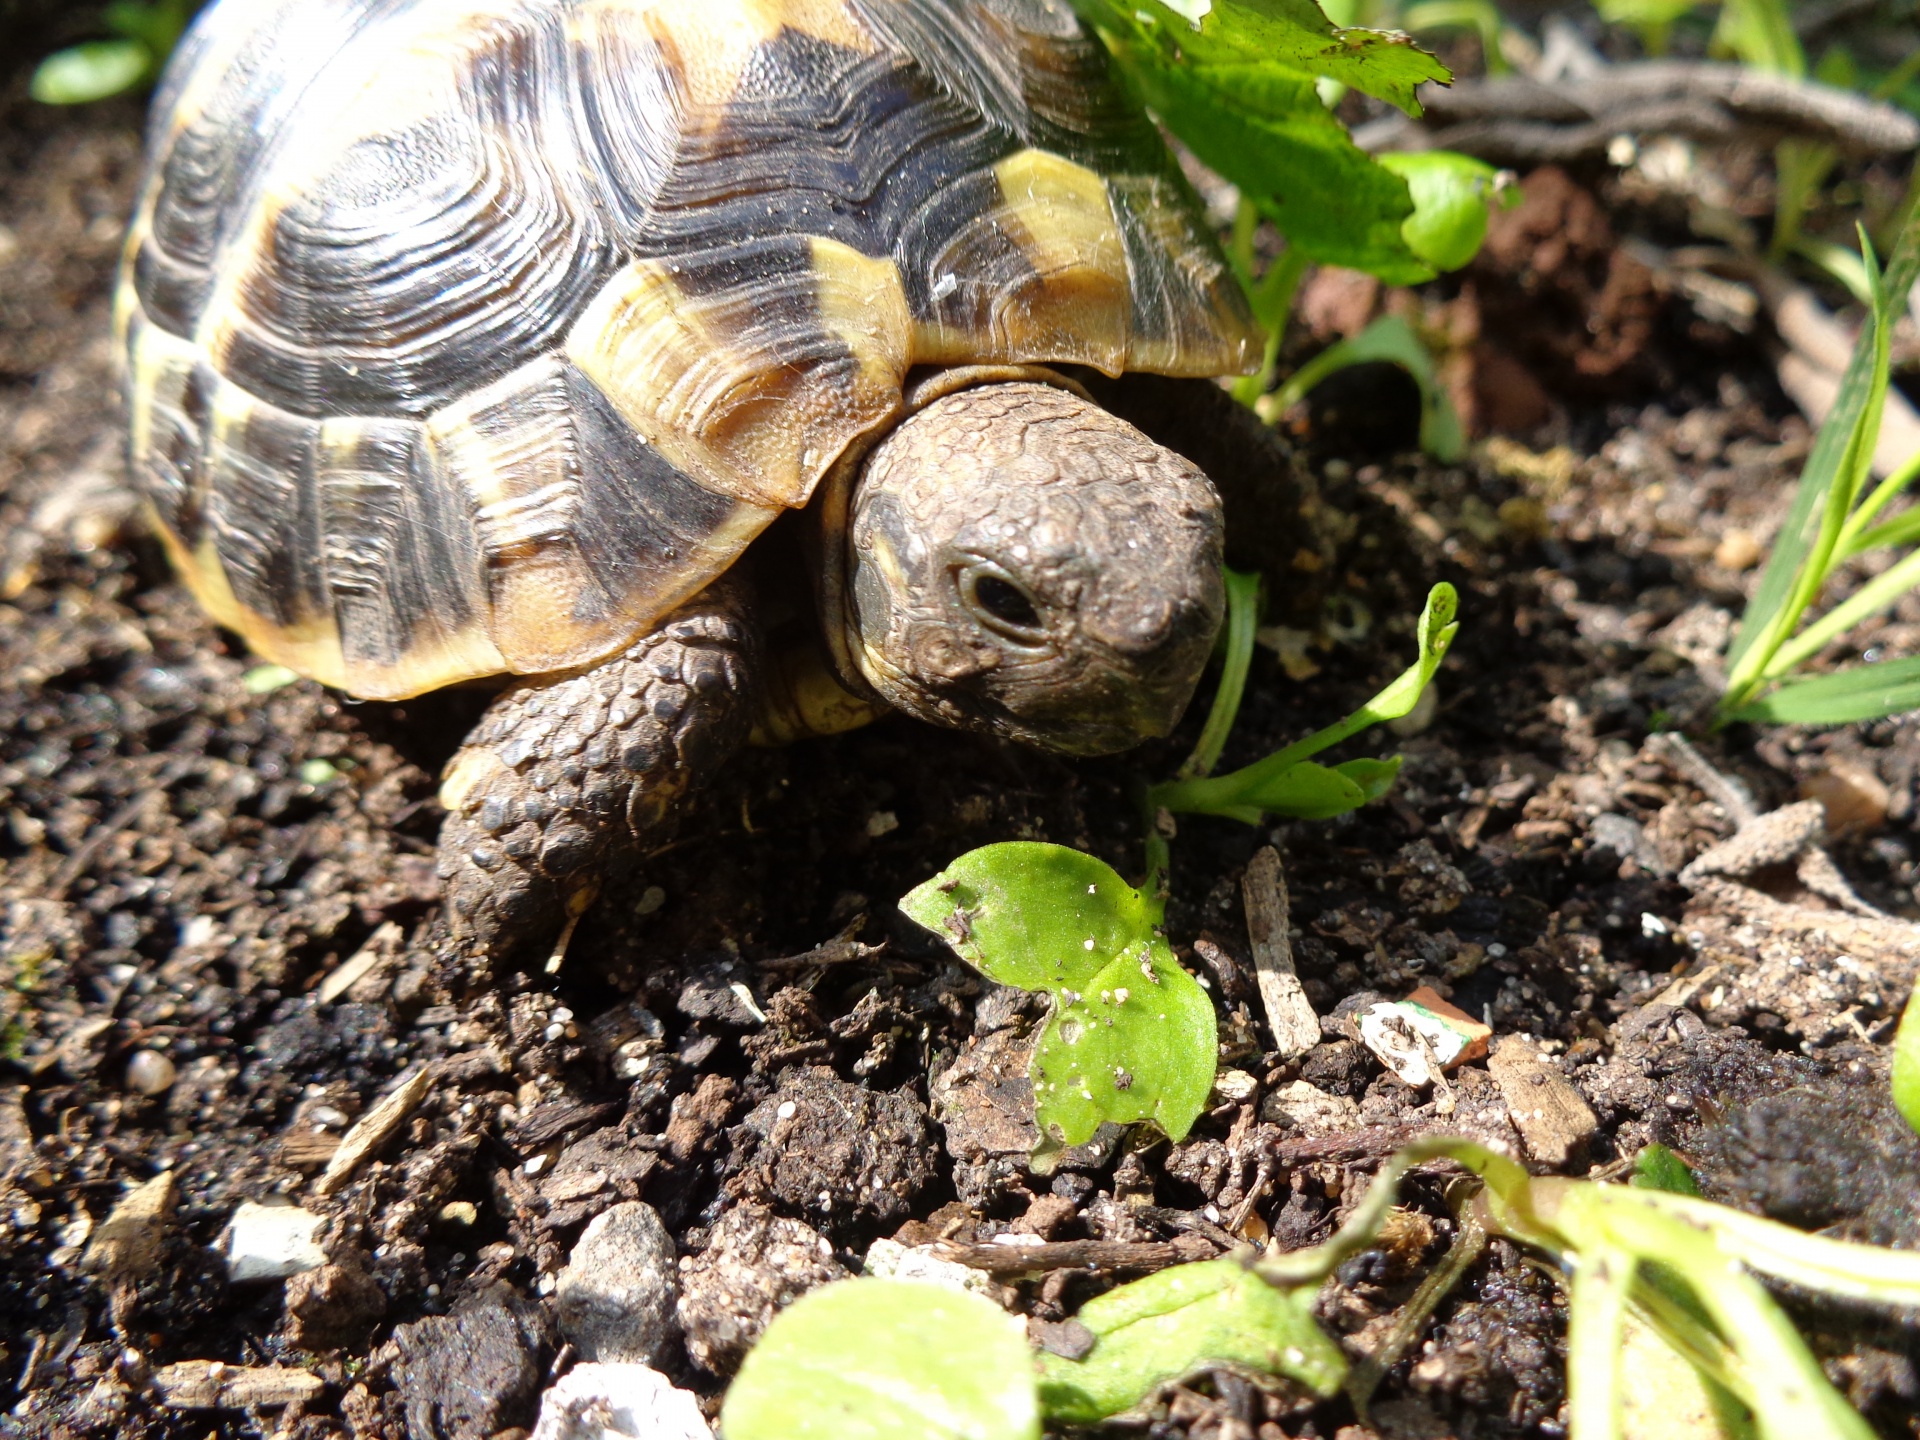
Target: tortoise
(482, 338)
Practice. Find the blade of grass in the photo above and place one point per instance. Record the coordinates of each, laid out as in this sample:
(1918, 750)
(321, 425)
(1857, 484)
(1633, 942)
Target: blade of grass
(1770, 615)
(1865, 692)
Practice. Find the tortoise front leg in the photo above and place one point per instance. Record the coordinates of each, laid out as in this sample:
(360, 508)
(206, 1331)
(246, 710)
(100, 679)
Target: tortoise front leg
(568, 777)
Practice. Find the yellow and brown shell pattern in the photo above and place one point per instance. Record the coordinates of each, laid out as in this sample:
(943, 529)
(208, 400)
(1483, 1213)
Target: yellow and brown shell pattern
(468, 336)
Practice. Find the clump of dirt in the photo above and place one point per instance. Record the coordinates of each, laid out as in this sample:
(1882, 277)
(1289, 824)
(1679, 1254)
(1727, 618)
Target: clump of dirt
(224, 984)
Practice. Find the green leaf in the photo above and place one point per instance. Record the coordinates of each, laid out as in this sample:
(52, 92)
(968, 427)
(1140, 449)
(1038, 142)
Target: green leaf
(1039, 916)
(1131, 1036)
(1139, 1043)
(1761, 34)
(1658, 1168)
(157, 26)
(1182, 1321)
(1452, 195)
(1862, 692)
(886, 1360)
(1311, 791)
(91, 71)
(1906, 1062)
(1264, 129)
(1596, 1318)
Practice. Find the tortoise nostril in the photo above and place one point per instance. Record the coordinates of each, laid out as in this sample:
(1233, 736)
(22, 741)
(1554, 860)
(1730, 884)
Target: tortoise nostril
(1006, 602)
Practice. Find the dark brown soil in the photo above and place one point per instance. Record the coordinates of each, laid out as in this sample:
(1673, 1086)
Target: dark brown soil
(184, 861)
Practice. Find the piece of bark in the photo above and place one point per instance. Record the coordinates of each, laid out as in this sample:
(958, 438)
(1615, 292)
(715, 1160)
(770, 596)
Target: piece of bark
(210, 1385)
(371, 1130)
(1078, 1255)
(1553, 1120)
(1296, 1029)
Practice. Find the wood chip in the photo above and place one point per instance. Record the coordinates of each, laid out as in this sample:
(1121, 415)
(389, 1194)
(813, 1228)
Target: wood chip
(126, 1246)
(210, 1385)
(1553, 1119)
(371, 1130)
(1296, 1029)
(307, 1148)
(383, 945)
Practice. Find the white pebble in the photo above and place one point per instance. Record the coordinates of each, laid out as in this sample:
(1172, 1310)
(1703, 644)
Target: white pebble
(150, 1072)
(271, 1242)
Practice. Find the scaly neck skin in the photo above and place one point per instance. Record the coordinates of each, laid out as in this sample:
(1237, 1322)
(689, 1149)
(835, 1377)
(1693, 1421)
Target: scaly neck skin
(800, 697)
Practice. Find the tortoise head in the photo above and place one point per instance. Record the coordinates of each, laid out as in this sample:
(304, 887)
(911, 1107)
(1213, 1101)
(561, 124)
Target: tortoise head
(1022, 562)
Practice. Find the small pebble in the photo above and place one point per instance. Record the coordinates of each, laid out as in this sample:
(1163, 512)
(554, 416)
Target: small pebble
(1737, 551)
(271, 1242)
(150, 1072)
(618, 1402)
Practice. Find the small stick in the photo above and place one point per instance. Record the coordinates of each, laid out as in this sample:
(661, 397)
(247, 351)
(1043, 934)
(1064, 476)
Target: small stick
(1296, 1029)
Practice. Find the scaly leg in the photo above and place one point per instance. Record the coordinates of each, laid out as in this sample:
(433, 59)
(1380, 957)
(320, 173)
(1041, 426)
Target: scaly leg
(568, 776)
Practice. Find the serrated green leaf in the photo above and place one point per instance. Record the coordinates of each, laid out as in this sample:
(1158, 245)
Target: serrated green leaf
(1182, 1321)
(1452, 195)
(1263, 128)
(1237, 84)
(1291, 34)
(886, 1360)
(1042, 917)
(91, 71)
(1139, 1043)
(1863, 692)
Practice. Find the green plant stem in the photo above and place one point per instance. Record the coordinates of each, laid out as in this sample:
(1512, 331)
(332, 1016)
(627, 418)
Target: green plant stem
(1273, 306)
(1204, 796)
(1159, 855)
(1469, 1244)
(1243, 617)
(1895, 80)
(1300, 384)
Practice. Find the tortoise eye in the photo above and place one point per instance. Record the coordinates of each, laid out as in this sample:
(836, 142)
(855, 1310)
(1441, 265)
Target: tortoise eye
(1002, 606)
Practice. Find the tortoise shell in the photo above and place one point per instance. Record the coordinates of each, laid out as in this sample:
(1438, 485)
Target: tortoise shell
(467, 337)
